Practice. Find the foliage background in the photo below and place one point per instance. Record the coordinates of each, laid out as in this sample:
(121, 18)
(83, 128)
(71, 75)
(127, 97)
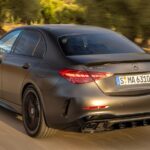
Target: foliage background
(129, 17)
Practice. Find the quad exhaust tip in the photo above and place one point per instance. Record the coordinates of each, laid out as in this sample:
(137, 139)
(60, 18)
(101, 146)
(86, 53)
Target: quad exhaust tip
(92, 127)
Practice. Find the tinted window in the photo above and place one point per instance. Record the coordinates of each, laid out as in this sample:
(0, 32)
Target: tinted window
(7, 42)
(100, 43)
(41, 48)
(28, 43)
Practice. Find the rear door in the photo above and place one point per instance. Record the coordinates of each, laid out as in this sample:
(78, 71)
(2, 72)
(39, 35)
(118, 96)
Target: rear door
(26, 56)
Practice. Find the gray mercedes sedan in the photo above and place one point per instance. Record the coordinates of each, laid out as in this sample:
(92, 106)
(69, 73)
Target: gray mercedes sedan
(74, 78)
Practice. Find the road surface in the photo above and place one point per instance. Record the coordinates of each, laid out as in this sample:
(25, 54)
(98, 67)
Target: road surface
(13, 137)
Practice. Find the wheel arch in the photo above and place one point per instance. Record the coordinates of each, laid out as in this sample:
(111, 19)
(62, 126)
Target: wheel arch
(44, 129)
(37, 89)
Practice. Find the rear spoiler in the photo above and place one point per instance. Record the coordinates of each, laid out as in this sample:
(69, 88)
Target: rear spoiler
(91, 60)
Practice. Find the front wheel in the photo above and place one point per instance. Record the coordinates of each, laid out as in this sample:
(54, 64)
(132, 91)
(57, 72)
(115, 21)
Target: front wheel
(33, 117)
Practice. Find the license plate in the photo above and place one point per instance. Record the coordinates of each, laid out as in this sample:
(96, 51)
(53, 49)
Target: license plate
(133, 79)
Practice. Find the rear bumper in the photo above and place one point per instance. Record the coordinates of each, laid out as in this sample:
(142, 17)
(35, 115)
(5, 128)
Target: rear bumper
(63, 105)
(122, 112)
(94, 124)
(117, 107)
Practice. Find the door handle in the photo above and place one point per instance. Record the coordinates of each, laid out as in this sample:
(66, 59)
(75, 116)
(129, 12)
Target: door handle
(26, 66)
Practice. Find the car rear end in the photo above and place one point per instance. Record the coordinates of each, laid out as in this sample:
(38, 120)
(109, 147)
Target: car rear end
(109, 84)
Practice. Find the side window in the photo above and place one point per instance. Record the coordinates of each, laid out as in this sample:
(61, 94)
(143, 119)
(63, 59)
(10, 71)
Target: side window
(41, 49)
(27, 43)
(7, 42)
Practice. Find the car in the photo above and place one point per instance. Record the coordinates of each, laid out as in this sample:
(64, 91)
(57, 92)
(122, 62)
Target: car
(74, 78)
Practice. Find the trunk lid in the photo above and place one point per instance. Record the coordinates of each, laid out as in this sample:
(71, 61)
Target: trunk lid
(121, 65)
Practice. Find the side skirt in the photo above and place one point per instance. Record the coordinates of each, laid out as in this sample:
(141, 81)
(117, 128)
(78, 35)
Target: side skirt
(11, 106)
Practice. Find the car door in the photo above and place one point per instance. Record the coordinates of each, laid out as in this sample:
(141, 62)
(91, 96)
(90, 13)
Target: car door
(26, 55)
(6, 44)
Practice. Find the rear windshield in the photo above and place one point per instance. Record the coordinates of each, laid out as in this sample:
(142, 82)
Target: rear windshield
(106, 43)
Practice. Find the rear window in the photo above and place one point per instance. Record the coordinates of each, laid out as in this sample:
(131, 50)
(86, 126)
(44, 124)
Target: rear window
(100, 43)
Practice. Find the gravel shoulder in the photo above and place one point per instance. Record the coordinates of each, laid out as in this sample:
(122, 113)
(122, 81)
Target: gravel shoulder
(13, 137)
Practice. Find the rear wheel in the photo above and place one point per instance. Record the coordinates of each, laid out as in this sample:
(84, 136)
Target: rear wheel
(33, 117)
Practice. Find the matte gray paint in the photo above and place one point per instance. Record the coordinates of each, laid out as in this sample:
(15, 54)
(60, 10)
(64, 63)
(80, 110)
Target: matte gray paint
(63, 101)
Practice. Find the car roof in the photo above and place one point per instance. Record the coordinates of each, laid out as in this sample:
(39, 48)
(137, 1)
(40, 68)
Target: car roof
(67, 29)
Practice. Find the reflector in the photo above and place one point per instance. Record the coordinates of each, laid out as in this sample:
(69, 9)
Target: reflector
(94, 107)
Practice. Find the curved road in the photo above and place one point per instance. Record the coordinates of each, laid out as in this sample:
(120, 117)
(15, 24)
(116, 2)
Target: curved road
(13, 137)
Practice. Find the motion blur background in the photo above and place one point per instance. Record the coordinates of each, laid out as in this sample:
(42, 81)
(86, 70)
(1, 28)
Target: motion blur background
(128, 17)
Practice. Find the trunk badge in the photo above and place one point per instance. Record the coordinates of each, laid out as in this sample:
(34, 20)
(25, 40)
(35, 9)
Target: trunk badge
(136, 68)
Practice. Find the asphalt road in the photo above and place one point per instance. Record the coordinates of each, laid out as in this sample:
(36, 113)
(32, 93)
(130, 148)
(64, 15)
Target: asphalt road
(13, 137)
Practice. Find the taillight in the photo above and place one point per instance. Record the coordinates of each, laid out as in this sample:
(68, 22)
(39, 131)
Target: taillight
(79, 76)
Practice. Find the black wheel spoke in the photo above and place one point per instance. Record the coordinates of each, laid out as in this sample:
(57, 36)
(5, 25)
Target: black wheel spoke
(33, 115)
(32, 109)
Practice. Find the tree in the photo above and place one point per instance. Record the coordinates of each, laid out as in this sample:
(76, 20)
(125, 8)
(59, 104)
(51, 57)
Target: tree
(2, 7)
(130, 17)
(22, 10)
(61, 11)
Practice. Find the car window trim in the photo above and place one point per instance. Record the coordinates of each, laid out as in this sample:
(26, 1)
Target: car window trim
(16, 41)
(34, 50)
(45, 43)
(41, 37)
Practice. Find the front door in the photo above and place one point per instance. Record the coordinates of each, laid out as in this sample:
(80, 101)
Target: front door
(6, 45)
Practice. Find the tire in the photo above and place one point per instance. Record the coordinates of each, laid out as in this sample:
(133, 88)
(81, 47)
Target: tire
(33, 116)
